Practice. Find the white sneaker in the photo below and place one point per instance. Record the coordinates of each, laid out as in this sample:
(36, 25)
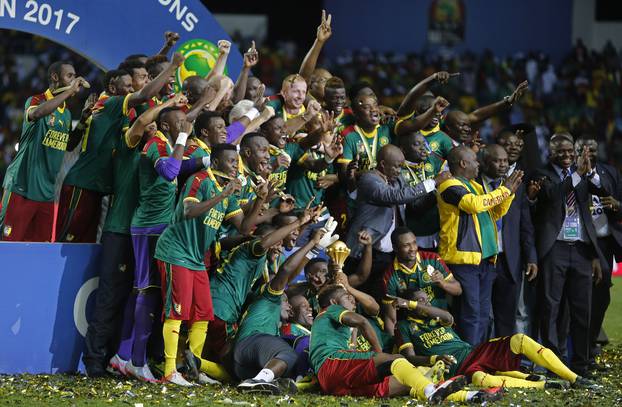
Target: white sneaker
(142, 373)
(205, 379)
(116, 366)
(178, 379)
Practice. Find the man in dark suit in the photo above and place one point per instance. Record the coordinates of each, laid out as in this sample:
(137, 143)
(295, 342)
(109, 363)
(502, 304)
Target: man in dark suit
(567, 246)
(382, 195)
(515, 240)
(606, 216)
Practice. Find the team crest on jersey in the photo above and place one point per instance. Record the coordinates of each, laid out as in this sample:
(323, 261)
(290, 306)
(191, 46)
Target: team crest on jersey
(7, 230)
(428, 167)
(384, 141)
(426, 277)
(434, 145)
(177, 308)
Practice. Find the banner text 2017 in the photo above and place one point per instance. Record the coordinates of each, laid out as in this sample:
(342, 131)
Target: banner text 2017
(41, 13)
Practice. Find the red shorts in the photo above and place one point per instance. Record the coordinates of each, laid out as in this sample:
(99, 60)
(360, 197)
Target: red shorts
(28, 221)
(352, 377)
(79, 211)
(185, 293)
(490, 357)
(219, 334)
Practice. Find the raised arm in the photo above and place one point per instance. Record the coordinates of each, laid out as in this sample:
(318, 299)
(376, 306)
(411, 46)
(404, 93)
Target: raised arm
(224, 47)
(152, 88)
(51, 105)
(380, 193)
(408, 104)
(294, 262)
(135, 133)
(310, 60)
(251, 57)
(170, 39)
(364, 268)
(485, 112)
(298, 122)
(367, 302)
(421, 121)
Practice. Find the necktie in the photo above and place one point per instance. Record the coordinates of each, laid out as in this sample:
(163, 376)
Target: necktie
(571, 199)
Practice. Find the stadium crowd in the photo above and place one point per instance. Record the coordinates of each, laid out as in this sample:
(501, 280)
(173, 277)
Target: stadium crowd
(332, 236)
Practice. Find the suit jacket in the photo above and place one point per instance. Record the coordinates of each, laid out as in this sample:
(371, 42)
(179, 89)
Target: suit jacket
(375, 206)
(611, 182)
(550, 209)
(518, 234)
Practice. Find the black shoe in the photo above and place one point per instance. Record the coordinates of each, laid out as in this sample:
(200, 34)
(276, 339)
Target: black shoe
(587, 384)
(535, 378)
(557, 384)
(286, 385)
(446, 388)
(488, 395)
(95, 372)
(259, 386)
(192, 366)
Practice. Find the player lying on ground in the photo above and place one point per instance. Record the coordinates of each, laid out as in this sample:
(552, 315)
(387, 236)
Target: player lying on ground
(425, 330)
(342, 371)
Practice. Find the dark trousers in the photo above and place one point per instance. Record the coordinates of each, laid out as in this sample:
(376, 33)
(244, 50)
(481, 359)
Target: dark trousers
(567, 276)
(601, 296)
(115, 284)
(252, 353)
(475, 302)
(505, 292)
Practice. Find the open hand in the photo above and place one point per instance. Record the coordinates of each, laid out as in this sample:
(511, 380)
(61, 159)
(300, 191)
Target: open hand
(518, 92)
(533, 189)
(513, 181)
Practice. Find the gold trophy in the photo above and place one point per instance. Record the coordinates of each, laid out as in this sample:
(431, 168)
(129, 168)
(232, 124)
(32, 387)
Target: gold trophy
(338, 253)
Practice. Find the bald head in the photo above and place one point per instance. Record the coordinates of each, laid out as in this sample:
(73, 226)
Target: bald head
(390, 161)
(462, 162)
(458, 126)
(193, 87)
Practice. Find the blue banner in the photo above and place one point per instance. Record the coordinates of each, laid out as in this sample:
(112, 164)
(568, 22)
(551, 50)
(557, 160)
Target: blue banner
(106, 31)
(49, 291)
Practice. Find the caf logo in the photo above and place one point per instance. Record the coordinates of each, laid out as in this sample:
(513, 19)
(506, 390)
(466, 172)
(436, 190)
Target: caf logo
(201, 56)
(434, 145)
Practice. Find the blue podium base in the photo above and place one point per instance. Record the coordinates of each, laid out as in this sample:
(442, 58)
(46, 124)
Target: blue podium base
(48, 293)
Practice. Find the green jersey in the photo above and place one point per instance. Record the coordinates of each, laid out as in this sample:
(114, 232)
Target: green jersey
(235, 278)
(93, 170)
(156, 199)
(440, 144)
(331, 339)
(301, 183)
(279, 175)
(263, 315)
(42, 145)
(386, 340)
(428, 223)
(429, 338)
(366, 145)
(398, 280)
(345, 119)
(124, 198)
(185, 241)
